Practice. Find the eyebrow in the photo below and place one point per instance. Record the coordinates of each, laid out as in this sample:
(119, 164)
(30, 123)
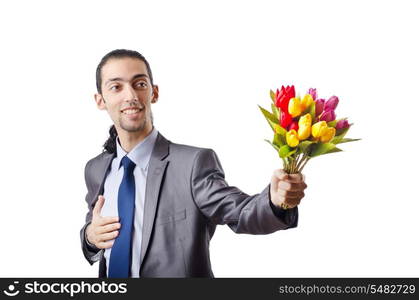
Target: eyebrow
(120, 79)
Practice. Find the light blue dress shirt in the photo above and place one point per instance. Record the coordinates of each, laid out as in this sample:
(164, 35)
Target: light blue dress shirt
(140, 155)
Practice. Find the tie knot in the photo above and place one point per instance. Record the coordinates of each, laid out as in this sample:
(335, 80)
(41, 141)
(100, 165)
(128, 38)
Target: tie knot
(128, 164)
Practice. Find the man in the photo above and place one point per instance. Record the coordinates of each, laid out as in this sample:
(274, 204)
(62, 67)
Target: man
(153, 204)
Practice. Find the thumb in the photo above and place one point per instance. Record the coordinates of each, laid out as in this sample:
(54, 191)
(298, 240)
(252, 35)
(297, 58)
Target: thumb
(278, 175)
(99, 204)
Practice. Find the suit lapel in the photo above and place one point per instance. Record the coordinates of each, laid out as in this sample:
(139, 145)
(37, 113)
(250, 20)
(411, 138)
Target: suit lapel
(156, 169)
(102, 170)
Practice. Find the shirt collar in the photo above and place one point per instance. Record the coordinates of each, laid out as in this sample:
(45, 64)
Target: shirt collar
(141, 153)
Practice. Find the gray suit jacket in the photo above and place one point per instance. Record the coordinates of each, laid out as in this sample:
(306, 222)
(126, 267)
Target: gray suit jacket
(186, 197)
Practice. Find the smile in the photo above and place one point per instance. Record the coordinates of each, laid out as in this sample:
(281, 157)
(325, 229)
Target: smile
(131, 111)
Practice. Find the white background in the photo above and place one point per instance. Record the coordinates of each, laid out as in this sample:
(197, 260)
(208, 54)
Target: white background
(214, 62)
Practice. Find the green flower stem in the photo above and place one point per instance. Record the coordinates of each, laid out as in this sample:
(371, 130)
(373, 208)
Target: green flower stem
(302, 167)
(301, 160)
(288, 165)
(294, 165)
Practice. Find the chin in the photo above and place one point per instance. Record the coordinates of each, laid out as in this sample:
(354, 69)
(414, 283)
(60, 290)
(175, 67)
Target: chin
(133, 127)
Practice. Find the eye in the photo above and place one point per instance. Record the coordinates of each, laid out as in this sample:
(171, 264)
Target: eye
(113, 87)
(141, 84)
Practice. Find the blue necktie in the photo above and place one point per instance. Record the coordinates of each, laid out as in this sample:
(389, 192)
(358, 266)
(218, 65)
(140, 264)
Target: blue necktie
(120, 260)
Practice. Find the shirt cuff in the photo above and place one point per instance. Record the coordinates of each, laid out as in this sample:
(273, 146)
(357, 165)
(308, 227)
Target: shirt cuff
(90, 246)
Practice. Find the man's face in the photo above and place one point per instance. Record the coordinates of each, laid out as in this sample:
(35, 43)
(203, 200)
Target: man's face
(127, 94)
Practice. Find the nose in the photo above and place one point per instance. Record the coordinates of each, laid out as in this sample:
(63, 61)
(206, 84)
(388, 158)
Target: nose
(129, 94)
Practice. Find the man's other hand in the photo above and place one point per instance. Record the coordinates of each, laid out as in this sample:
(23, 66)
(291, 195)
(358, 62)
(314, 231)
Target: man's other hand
(102, 231)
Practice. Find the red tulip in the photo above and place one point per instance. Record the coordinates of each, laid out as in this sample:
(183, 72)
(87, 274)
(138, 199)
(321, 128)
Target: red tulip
(294, 125)
(286, 119)
(283, 96)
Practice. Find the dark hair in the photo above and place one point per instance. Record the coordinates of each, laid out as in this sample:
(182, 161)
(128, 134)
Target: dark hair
(110, 144)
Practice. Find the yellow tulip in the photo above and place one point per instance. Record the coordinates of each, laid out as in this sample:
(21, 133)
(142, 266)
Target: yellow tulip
(292, 138)
(305, 120)
(304, 127)
(306, 102)
(328, 135)
(294, 107)
(318, 129)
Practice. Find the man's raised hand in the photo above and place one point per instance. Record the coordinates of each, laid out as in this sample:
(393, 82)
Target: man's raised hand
(102, 231)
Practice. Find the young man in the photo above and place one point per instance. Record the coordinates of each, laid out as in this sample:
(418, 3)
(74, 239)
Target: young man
(153, 204)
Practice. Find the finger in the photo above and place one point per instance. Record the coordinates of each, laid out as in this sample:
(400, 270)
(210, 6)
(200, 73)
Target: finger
(280, 174)
(277, 176)
(104, 237)
(109, 228)
(293, 202)
(98, 206)
(297, 177)
(292, 187)
(107, 220)
(290, 194)
(105, 245)
(284, 185)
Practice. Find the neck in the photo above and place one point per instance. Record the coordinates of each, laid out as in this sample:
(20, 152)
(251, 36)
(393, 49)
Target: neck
(129, 140)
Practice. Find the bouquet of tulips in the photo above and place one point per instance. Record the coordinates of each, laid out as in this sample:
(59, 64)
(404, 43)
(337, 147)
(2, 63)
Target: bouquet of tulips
(304, 127)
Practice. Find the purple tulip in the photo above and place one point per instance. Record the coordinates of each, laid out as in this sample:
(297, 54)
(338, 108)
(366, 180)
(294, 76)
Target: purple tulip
(328, 115)
(319, 106)
(331, 103)
(342, 124)
(313, 93)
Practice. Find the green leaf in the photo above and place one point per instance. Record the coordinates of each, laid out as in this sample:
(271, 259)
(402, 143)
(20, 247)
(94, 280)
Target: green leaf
(273, 145)
(272, 94)
(347, 140)
(269, 117)
(292, 152)
(304, 146)
(313, 111)
(275, 111)
(286, 151)
(340, 134)
(321, 148)
(277, 128)
(279, 140)
(336, 149)
(332, 123)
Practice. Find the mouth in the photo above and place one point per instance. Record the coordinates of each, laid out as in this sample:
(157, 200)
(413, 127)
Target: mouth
(131, 111)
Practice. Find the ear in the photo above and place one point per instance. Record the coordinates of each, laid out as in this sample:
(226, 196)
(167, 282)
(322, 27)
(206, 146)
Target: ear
(100, 102)
(155, 94)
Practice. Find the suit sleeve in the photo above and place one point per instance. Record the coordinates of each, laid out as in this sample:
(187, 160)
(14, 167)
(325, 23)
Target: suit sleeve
(224, 204)
(91, 252)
